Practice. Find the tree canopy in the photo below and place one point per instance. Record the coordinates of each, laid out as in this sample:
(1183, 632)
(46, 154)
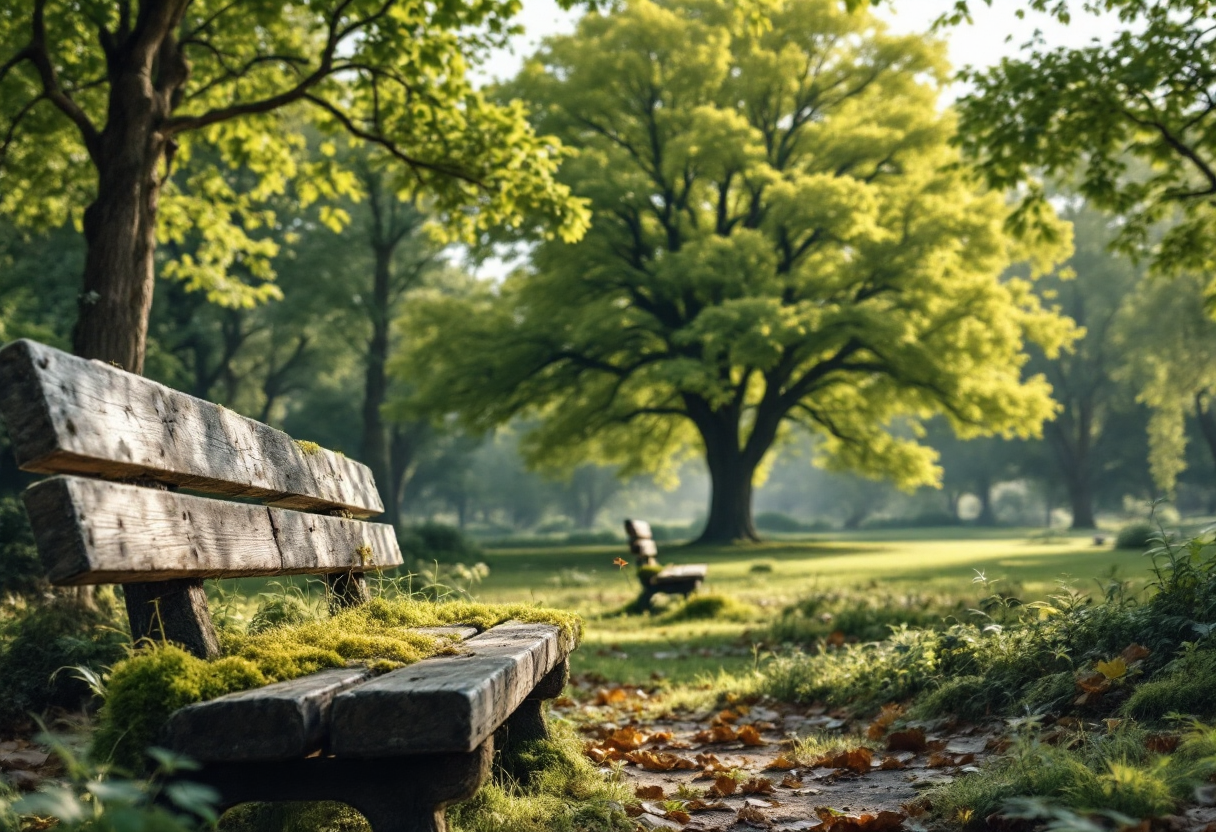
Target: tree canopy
(1131, 123)
(780, 237)
(101, 102)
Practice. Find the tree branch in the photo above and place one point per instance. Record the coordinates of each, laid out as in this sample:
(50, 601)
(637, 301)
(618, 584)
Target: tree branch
(51, 90)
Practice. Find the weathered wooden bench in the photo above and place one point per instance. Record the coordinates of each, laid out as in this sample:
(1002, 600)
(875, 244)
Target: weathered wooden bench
(398, 747)
(673, 580)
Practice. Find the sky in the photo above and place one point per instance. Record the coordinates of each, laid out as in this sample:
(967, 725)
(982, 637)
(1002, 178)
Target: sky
(995, 33)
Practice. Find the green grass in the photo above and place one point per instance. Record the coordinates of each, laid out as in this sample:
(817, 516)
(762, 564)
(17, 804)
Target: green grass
(622, 648)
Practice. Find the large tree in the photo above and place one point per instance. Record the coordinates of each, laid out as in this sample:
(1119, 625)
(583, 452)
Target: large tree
(98, 101)
(1131, 121)
(780, 236)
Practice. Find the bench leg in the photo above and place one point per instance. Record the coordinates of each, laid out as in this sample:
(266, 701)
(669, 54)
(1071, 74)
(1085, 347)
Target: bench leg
(528, 721)
(395, 794)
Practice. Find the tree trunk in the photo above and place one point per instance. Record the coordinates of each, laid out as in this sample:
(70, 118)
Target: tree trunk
(1081, 500)
(984, 492)
(375, 447)
(1207, 423)
(730, 506)
(120, 230)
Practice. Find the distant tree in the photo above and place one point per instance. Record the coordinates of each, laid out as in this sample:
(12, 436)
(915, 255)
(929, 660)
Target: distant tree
(780, 238)
(98, 101)
(1093, 289)
(1132, 121)
(1171, 359)
(586, 493)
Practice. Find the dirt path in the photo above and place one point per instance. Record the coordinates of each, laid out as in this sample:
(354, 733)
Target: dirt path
(742, 768)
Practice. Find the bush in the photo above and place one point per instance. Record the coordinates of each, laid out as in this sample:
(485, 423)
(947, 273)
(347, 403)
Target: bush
(438, 542)
(1185, 688)
(21, 572)
(603, 538)
(1136, 536)
(711, 608)
(924, 520)
(37, 642)
(775, 521)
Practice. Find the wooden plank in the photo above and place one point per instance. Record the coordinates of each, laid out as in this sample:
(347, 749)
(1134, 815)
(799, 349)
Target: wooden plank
(638, 530)
(690, 570)
(644, 547)
(92, 532)
(447, 703)
(68, 415)
(282, 721)
(275, 722)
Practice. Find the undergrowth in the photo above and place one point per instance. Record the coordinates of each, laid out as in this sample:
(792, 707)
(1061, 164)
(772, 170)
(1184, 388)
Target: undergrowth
(1114, 772)
(158, 679)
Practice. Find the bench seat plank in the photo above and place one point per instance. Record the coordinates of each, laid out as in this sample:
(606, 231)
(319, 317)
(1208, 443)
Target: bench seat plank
(68, 415)
(283, 721)
(680, 573)
(446, 704)
(94, 532)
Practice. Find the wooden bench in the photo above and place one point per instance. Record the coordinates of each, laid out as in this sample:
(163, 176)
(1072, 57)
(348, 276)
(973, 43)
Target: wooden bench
(672, 580)
(125, 450)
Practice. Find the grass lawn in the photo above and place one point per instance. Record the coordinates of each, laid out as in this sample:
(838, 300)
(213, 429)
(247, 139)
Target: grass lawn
(634, 649)
(770, 576)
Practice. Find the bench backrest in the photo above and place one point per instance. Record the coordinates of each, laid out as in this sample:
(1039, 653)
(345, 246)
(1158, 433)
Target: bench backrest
(126, 443)
(641, 542)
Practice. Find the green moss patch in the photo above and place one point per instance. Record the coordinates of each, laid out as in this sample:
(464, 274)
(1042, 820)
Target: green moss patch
(148, 686)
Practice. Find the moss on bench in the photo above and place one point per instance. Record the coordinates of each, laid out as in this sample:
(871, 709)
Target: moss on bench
(144, 689)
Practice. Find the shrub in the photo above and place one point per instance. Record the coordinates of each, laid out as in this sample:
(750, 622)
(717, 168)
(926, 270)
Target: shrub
(38, 641)
(924, 520)
(1136, 536)
(21, 572)
(763, 567)
(710, 608)
(438, 542)
(1185, 688)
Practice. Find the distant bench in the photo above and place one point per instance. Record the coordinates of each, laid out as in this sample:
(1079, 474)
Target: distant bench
(672, 580)
(399, 747)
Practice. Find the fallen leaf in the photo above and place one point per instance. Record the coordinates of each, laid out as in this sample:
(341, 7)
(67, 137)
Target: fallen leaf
(725, 717)
(1116, 668)
(791, 782)
(649, 792)
(717, 734)
(625, 739)
(1162, 743)
(678, 816)
(910, 739)
(781, 763)
(620, 563)
(857, 760)
(884, 720)
(890, 763)
(698, 805)
(723, 785)
(758, 785)
(754, 817)
(1135, 653)
(939, 760)
(1096, 682)
(610, 696)
(660, 761)
(836, 639)
(748, 735)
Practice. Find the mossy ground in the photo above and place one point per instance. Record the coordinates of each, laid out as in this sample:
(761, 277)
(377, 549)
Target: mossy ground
(158, 679)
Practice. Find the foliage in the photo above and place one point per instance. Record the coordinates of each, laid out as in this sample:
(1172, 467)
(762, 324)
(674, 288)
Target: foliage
(774, 521)
(21, 572)
(393, 76)
(39, 643)
(1112, 772)
(1171, 362)
(1136, 536)
(159, 678)
(437, 542)
(771, 246)
(864, 615)
(1183, 687)
(91, 798)
(710, 607)
(1128, 120)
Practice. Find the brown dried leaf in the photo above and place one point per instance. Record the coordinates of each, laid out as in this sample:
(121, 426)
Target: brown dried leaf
(748, 735)
(940, 760)
(1093, 683)
(1162, 743)
(625, 739)
(725, 717)
(791, 782)
(649, 792)
(910, 739)
(611, 696)
(781, 763)
(884, 720)
(678, 816)
(857, 760)
(698, 805)
(890, 763)
(1135, 653)
(754, 817)
(758, 785)
(723, 785)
